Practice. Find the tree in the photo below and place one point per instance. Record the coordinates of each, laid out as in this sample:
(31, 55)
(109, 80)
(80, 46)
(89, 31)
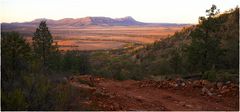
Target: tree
(204, 49)
(42, 43)
(84, 64)
(15, 61)
(75, 61)
(230, 40)
(175, 61)
(15, 54)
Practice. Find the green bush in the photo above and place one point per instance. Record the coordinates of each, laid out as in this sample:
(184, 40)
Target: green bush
(14, 100)
(227, 76)
(63, 96)
(76, 62)
(210, 75)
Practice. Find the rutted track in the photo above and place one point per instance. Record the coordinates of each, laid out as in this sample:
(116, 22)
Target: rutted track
(130, 95)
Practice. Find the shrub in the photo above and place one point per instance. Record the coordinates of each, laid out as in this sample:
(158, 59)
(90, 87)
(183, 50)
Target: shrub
(210, 75)
(14, 100)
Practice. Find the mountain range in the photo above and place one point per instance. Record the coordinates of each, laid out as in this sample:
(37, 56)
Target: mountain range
(84, 22)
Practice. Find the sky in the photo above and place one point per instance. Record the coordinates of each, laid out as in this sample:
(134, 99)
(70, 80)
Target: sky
(153, 11)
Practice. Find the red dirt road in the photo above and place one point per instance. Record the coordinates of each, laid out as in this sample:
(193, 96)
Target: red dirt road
(128, 95)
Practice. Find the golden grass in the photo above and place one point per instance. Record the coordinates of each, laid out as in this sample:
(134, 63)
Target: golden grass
(105, 38)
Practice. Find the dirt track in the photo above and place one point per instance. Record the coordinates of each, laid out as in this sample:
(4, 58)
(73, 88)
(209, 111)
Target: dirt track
(128, 95)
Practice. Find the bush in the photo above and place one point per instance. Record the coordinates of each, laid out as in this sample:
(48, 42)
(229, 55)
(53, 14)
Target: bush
(160, 67)
(227, 76)
(123, 75)
(76, 62)
(62, 96)
(14, 100)
(210, 75)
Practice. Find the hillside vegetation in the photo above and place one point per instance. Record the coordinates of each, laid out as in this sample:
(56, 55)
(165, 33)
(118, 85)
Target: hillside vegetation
(183, 53)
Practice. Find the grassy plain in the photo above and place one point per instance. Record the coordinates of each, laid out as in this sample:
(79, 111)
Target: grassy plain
(107, 38)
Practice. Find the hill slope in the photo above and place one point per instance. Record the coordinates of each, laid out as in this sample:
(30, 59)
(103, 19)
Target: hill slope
(170, 55)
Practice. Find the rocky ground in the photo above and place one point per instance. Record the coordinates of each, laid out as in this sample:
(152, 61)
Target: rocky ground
(178, 94)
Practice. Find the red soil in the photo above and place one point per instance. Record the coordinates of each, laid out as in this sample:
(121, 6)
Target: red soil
(134, 95)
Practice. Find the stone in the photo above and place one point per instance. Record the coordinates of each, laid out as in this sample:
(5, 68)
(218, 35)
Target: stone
(189, 82)
(206, 91)
(211, 89)
(219, 85)
(228, 82)
(189, 106)
(224, 87)
(204, 82)
(183, 84)
(209, 93)
(175, 85)
(196, 84)
(225, 91)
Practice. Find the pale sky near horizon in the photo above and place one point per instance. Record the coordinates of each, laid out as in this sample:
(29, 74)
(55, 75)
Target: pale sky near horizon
(170, 11)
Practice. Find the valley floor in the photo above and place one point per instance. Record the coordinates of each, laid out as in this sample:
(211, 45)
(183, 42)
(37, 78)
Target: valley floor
(106, 94)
